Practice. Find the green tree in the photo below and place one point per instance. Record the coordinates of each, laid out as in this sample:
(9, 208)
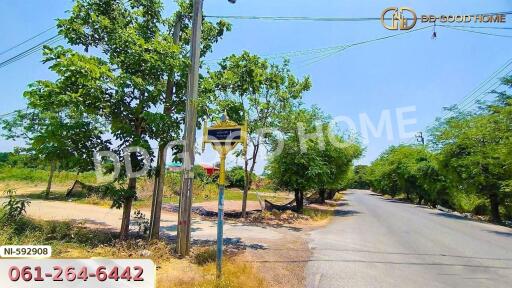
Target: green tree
(360, 177)
(310, 163)
(251, 89)
(411, 170)
(55, 134)
(338, 156)
(474, 151)
(172, 116)
(141, 67)
(236, 177)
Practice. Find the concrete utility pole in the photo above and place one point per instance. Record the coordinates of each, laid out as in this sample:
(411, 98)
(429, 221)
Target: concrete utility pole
(184, 217)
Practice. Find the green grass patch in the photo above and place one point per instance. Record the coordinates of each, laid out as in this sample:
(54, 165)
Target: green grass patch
(318, 214)
(38, 175)
(27, 231)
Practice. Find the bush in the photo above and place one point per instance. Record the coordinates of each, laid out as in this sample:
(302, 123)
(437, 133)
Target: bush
(204, 255)
(13, 208)
(173, 183)
(39, 175)
(236, 177)
(481, 209)
(464, 202)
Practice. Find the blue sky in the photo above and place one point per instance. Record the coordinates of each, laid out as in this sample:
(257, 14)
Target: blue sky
(410, 70)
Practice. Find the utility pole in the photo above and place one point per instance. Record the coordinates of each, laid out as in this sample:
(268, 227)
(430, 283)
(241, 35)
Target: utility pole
(420, 138)
(184, 217)
(156, 208)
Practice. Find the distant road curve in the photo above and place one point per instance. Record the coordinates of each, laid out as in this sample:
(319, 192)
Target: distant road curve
(376, 242)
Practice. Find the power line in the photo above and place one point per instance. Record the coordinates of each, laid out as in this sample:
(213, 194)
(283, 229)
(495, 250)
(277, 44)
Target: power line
(470, 100)
(476, 32)
(32, 50)
(484, 83)
(27, 40)
(8, 114)
(482, 95)
(477, 27)
(321, 19)
(322, 53)
(344, 47)
(465, 105)
(294, 18)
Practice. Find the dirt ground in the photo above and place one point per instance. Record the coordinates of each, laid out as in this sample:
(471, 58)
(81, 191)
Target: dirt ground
(278, 252)
(283, 263)
(229, 206)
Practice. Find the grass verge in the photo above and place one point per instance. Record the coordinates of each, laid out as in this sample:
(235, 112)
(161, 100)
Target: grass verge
(74, 241)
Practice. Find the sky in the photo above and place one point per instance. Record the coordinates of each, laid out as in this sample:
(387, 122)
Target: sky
(411, 73)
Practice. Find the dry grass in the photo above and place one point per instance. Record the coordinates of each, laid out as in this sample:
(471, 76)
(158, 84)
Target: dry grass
(173, 272)
(236, 274)
(318, 214)
(74, 241)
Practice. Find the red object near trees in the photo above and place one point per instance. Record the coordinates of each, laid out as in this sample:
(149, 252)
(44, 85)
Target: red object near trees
(210, 169)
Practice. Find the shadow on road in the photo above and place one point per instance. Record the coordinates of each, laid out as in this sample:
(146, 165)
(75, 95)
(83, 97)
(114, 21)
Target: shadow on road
(442, 255)
(500, 233)
(389, 263)
(345, 213)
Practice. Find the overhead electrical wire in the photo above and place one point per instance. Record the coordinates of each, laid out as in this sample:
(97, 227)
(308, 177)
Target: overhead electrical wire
(344, 47)
(496, 84)
(477, 32)
(31, 50)
(321, 19)
(477, 27)
(27, 40)
(322, 53)
(473, 96)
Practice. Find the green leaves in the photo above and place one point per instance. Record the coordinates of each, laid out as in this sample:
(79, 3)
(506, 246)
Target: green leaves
(317, 167)
(266, 91)
(408, 169)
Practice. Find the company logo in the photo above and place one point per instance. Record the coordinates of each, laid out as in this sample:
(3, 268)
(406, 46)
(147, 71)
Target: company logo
(394, 18)
(404, 18)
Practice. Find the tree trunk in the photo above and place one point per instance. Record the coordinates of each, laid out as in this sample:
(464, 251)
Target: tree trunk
(322, 195)
(495, 208)
(158, 189)
(420, 200)
(158, 193)
(299, 200)
(53, 166)
(247, 176)
(330, 194)
(127, 209)
(246, 188)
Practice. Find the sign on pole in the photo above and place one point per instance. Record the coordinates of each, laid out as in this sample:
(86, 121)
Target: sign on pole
(224, 136)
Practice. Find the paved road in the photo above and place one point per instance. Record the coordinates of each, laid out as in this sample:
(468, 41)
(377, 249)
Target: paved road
(382, 243)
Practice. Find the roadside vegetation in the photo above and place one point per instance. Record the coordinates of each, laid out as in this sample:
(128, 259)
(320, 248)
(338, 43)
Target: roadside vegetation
(321, 164)
(72, 240)
(466, 166)
(130, 94)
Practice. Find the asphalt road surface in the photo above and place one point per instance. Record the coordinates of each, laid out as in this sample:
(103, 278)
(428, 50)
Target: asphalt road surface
(375, 242)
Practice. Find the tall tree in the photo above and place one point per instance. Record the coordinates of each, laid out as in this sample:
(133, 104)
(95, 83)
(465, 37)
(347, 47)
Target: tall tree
(474, 151)
(252, 89)
(140, 68)
(411, 170)
(338, 155)
(305, 163)
(175, 94)
(56, 134)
